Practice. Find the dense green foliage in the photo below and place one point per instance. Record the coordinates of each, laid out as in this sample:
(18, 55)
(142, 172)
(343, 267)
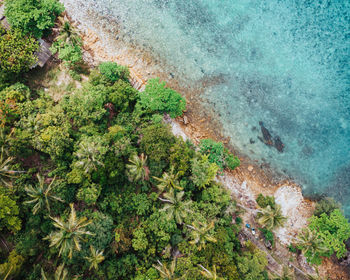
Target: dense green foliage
(218, 154)
(112, 71)
(35, 17)
(95, 186)
(68, 45)
(334, 229)
(137, 193)
(158, 98)
(16, 54)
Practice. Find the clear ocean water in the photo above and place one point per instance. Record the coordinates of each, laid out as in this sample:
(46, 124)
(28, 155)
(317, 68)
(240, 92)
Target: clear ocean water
(282, 62)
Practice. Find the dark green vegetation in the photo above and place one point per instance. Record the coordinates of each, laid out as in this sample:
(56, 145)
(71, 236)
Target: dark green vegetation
(95, 185)
(16, 54)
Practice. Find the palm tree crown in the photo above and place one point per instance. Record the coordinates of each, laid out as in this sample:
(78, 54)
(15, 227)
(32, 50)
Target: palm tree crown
(210, 274)
(200, 234)
(168, 181)
(60, 274)
(311, 243)
(271, 218)
(67, 33)
(95, 258)
(6, 174)
(137, 169)
(87, 157)
(168, 273)
(41, 195)
(69, 233)
(175, 207)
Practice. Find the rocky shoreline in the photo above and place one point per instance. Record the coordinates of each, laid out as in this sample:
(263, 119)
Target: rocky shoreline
(247, 181)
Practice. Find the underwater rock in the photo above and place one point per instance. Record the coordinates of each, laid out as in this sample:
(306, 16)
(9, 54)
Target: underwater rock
(278, 144)
(267, 138)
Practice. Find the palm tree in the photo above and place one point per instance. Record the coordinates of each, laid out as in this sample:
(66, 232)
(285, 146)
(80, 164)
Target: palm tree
(60, 274)
(6, 173)
(95, 258)
(87, 157)
(200, 234)
(137, 169)
(69, 233)
(175, 207)
(67, 33)
(168, 181)
(41, 195)
(210, 274)
(271, 218)
(311, 243)
(168, 273)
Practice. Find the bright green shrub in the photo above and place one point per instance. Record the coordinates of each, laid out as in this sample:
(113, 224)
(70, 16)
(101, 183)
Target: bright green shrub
(203, 172)
(9, 213)
(334, 229)
(16, 53)
(70, 54)
(158, 98)
(89, 194)
(34, 17)
(112, 71)
(139, 242)
(218, 154)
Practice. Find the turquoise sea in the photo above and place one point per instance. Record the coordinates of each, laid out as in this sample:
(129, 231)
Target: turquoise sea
(281, 62)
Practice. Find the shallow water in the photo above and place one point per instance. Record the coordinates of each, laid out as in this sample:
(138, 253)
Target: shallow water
(281, 62)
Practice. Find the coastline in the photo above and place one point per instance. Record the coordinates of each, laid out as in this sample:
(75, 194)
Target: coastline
(246, 181)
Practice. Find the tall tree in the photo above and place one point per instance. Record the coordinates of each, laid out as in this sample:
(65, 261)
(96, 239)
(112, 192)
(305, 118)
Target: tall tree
(89, 156)
(137, 169)
(210, 274)
(95, 258)
(175, 207)
(16, 53)
(201, 234)
(60, 274)
(271, 218)
(69, 234)
(6, 173)
(312, 245)
(41, 194)
(33, 16)
(67, 33)
(168, 181)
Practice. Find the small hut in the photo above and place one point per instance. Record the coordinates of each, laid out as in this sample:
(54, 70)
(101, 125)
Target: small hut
(43, 53)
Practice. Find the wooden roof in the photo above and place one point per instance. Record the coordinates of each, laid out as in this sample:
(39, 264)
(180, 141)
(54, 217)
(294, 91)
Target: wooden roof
(43, 54)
